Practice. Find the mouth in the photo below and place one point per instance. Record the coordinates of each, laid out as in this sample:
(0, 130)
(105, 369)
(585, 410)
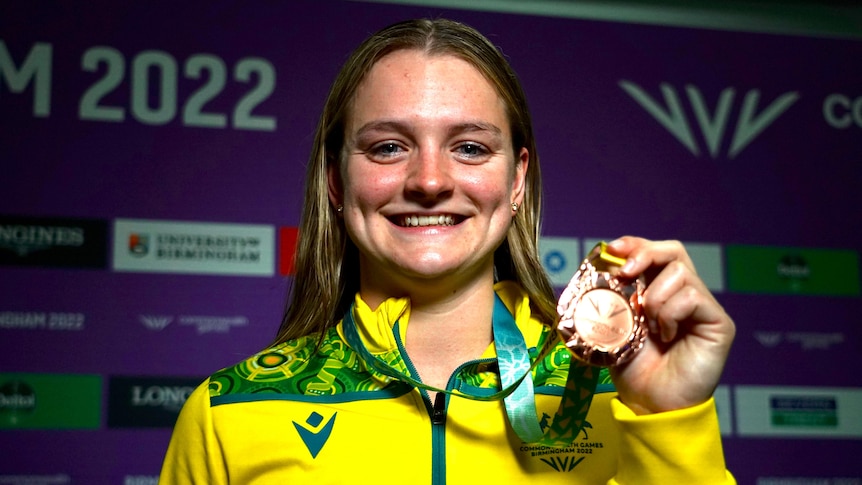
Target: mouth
(415, 220)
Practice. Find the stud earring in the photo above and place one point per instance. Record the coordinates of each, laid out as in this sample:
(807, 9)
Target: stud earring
(514, 206)
(339, 208)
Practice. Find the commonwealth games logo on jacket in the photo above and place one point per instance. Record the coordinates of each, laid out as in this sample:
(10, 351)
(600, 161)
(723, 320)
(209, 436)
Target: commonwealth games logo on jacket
(567, 458)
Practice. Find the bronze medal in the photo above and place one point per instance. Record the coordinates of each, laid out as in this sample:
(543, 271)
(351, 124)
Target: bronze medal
(601, 313)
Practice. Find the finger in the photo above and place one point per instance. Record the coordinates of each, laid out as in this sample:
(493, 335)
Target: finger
(679, 310)
(672, 297)
(679, 301)
(661, 290)
(642, 254)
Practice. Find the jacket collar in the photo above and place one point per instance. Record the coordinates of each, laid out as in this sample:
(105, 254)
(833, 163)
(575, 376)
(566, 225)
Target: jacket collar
(376, 326)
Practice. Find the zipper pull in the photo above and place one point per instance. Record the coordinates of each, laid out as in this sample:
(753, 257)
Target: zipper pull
(439, 414)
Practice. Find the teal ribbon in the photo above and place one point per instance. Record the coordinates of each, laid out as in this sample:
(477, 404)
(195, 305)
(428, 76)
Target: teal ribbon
(517, 389)
(513, 359)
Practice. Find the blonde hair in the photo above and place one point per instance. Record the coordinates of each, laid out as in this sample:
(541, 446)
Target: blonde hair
(327, 264)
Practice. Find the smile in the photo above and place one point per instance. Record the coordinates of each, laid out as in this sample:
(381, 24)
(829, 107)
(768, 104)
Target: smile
(422, 221)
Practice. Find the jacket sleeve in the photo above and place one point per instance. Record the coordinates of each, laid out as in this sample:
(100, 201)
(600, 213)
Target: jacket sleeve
(194, 455)
(682, 446)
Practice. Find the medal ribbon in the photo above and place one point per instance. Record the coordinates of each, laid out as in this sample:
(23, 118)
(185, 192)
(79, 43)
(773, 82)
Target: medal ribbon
(516, 382)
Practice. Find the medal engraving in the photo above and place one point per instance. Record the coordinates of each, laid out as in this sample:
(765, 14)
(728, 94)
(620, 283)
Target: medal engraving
(601, 313)
(603, 319)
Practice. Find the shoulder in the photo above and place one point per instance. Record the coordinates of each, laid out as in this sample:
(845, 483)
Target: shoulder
(272, 367)
(295, 368)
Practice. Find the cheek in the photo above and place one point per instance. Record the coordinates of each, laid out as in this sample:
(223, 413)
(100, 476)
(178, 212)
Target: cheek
(491, 190)
(370, 187)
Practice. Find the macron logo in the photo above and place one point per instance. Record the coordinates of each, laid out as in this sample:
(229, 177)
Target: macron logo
(749, 125)
(315, 436)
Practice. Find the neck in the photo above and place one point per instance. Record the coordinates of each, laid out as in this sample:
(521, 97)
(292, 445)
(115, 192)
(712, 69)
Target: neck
(466, 314)
(438, 343)
(444, 331)
(450, 316)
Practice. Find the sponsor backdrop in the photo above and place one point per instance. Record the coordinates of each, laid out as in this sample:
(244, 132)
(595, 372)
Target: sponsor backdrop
(152, 160)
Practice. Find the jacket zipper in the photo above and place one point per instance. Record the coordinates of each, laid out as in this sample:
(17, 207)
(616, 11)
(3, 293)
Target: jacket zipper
(438, 439)
(438, 414)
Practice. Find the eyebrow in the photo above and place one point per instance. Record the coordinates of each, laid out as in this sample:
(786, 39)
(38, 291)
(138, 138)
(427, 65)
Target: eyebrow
(400, 126)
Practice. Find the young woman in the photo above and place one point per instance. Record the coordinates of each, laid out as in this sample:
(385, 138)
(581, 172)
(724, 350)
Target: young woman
(418, 248)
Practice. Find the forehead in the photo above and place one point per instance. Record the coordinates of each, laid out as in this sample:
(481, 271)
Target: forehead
(413, 79)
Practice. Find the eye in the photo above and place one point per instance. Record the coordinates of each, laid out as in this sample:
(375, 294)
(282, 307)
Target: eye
(471, 150)
(386, 150)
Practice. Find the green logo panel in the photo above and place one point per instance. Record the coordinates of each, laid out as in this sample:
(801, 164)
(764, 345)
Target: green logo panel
(786, 270)
(50, 401)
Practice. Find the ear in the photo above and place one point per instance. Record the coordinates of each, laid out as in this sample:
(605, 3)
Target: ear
(519, 182)
(334, 185)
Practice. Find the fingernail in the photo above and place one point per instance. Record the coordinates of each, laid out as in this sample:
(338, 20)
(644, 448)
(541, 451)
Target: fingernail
(626, 268)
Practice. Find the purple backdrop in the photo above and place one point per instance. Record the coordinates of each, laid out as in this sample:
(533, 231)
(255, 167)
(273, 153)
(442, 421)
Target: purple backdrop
(110, 142)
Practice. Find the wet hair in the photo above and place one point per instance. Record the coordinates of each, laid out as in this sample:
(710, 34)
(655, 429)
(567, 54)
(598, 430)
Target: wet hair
(327, 262)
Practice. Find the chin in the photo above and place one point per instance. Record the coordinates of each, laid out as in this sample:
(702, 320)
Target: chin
(437, 268)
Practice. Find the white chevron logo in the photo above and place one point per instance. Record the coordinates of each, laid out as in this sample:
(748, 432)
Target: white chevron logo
(155, 322)
(749, 124)
(769, 339)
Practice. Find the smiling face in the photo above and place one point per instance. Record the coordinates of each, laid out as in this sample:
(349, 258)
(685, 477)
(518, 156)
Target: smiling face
(428, 175)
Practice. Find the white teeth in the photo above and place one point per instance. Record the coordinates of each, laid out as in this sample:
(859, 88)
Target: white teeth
(422, 221)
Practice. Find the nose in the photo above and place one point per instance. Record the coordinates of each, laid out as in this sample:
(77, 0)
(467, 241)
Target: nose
(429, 177)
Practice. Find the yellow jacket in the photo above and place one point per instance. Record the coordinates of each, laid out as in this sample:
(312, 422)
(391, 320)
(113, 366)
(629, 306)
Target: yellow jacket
(290, 415)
